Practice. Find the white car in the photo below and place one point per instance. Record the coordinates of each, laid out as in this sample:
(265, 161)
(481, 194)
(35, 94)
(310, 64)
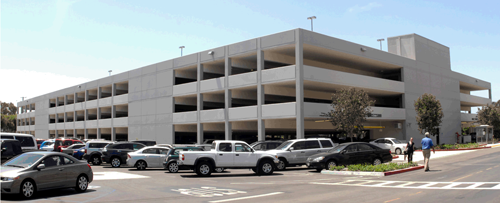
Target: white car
(396, 146)
(48, 145)
(295, 152)
(152, 157)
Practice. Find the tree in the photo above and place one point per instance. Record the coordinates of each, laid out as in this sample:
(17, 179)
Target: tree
(9, 109)
(429, 114)
(350, 109)
(490, 115)
(8, 116)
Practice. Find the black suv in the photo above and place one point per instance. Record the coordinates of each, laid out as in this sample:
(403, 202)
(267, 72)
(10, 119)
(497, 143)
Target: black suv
(10, 148)
(116, 153)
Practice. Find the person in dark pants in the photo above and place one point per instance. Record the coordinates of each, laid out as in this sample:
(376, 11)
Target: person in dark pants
(409, 150)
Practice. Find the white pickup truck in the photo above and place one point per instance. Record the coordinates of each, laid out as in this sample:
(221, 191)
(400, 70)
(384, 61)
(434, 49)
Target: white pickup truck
(229, 154)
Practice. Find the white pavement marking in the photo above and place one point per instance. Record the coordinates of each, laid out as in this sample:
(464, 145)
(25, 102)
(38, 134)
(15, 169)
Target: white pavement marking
(208, 192)
(113, 175)
(418, 156)
(425, 185)
(248, 197)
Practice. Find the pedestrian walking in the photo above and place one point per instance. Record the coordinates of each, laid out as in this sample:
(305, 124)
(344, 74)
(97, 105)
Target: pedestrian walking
(426, 150)
(409, 150)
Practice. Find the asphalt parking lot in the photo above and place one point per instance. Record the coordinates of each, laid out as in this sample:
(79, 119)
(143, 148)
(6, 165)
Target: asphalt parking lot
(450, 180)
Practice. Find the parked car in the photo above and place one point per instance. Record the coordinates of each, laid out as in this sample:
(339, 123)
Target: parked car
(32, 172)
(396, 146)
(173, 156)
(148, 157)
(47, 145)
(60, 143)
(146, 142)
(116, 153)
(27, 141)
(69, 150)
(39, 142)
(295, 152)
(228, 154)
(93, 151)
(349, 153)
(78, 153)
(266, 145)
(10, 148)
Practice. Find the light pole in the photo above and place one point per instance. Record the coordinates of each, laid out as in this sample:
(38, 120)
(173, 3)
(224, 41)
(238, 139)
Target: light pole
(181, 47)
(380, 40)
(311, 18)
(109, 72)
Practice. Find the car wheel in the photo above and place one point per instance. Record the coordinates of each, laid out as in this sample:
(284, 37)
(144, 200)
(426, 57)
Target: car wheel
(28, 189)
(377, 161)
(219, 170)
(96, 160)
(281, 165)
(141, 165)
(82, 183)
(203, 169)
(330, 164)
(116, 162)
(173, 167)
(398, 151)
(266, 168)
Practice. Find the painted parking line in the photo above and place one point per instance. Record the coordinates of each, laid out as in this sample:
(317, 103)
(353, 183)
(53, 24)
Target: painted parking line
(113, 175)
(247, 197)
(418, 184)
(208, 192)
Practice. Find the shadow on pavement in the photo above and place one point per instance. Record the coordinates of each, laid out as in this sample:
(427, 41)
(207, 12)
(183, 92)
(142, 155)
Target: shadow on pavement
(147, 169)
(46, 194)
(232, 175)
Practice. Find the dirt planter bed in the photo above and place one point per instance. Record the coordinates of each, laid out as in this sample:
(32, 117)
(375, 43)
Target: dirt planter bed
(365, 173)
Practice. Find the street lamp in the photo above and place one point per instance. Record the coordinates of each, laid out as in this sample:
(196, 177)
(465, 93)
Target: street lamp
(380, 40)
(109, 71)
(311, 18)
(181, 47)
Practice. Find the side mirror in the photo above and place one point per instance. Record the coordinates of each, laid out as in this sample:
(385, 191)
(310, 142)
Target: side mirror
(40, 166)
(290, 149)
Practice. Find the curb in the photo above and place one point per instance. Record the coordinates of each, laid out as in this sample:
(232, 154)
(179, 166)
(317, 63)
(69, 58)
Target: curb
(363, 173)
(395, 157)
(457, 149)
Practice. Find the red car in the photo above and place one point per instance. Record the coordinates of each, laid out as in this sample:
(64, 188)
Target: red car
(39, 142)
(65, 142)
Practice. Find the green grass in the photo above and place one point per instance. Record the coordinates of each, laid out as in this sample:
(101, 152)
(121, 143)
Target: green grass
(457, 146)
(376, 168)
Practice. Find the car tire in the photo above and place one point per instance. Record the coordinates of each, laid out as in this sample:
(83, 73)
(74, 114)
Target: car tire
(82, 183)
(116, 162)
(95, 160)
(281, 166)
(377, 161)
(254, 170)
(204, 169)
(330, 164)
(266, 168)
(28, 189)
(140, 165)
(319, 169)
(219, 170)
(398, 151)
(173, 167)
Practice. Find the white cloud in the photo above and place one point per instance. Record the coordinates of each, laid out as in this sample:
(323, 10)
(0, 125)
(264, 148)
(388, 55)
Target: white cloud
(367, 7)
(17, 83)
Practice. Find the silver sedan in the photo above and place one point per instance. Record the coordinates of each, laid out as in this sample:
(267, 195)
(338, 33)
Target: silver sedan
(31, 172)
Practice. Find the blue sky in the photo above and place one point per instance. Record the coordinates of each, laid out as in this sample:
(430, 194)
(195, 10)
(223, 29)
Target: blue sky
(55, 44)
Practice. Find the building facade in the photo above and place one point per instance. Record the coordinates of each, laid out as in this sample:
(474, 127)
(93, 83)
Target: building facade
(272, 87)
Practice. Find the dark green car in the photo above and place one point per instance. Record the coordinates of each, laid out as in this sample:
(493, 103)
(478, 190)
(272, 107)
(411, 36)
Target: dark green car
(173, 155)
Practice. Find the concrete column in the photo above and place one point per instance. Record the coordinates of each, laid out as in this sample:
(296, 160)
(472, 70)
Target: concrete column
(98, 133)
(113, 89)
(74, 133)
(113, 134)
(261, 130)
(86, 134)
(299, 83)
(65, 134)
(199, 133)
(113, 111)
(227, 97)
(86, 95)
(489, 93)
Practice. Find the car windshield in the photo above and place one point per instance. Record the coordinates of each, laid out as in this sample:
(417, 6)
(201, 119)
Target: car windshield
(284, 145)
(338, 148)
(24, 160)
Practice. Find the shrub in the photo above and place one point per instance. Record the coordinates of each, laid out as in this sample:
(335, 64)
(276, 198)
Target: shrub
(375, 168)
